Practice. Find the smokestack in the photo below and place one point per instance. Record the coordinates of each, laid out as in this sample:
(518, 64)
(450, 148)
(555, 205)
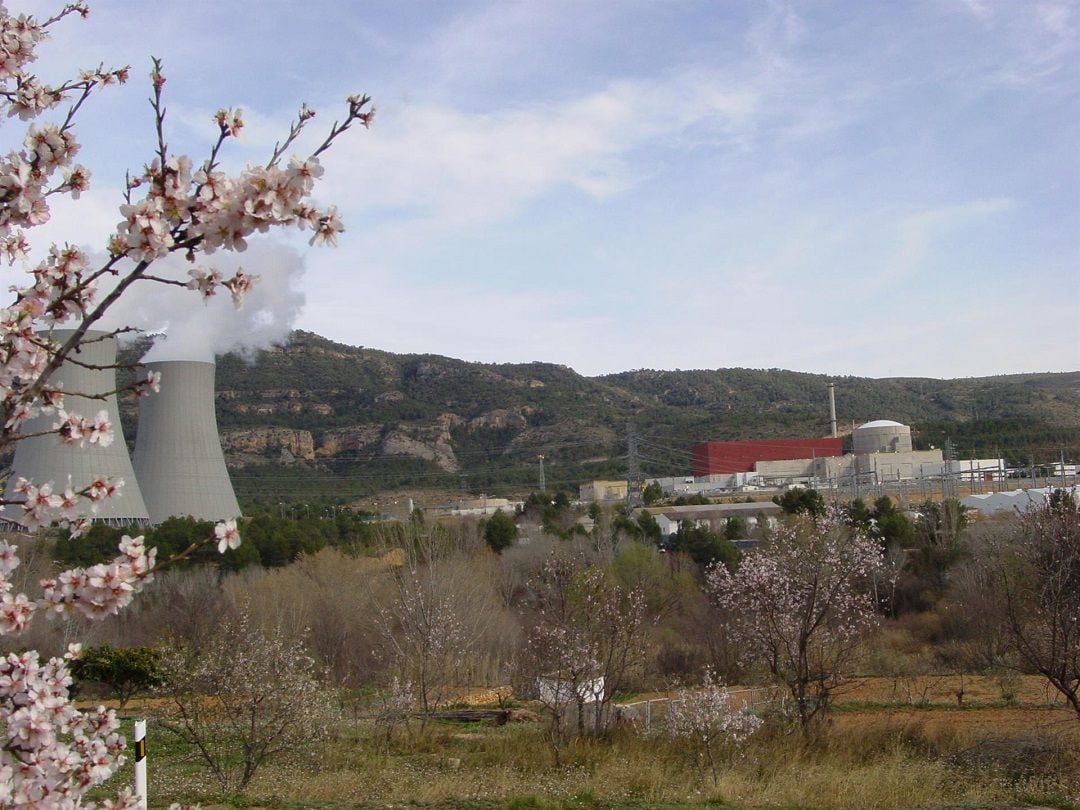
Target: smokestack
(47, 458)
(832, 410)
(178, 454)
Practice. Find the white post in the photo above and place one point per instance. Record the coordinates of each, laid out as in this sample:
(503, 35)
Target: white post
(140, 763)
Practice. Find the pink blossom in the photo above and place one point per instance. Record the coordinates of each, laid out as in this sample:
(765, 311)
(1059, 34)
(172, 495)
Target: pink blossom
(227, 535)
(51, 753)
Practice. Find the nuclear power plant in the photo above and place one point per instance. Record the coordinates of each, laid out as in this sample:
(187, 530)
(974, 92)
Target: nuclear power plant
(179, 467)
(178, 458)
(47, 458)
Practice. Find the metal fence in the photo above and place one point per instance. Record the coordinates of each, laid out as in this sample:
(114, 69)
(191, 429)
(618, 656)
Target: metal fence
(651, 712)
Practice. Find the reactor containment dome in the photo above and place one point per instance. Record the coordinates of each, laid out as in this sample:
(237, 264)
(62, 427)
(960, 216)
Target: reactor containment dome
(881, 436)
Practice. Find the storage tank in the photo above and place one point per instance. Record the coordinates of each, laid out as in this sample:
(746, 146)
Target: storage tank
(882, 436)
(47, 458)
(178, 456)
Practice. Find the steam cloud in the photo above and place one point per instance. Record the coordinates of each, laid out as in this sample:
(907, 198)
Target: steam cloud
(195, 329)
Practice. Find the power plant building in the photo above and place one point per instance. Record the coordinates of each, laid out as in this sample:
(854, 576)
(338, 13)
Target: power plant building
(179, 468)
(89, 371)
(881, 436)
(883, 451)
(712, 458)
(178, 457)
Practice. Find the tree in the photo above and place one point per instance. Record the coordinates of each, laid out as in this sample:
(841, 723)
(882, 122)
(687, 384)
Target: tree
(801, 604)
(937, 545)
(589, 627)
(243, 697)
(893, 527)
(127, 671)
(652, 493)
(650, 529)
(707, 718)
(49, 751)
(704, 546)
(801, 501)
(1032, 579)
(431, 617)
(500, 531)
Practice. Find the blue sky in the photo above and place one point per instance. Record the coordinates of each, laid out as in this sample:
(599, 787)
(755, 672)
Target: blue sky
(879, 189)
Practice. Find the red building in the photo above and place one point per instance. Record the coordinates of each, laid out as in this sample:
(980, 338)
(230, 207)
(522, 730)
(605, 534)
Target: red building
(732, 457)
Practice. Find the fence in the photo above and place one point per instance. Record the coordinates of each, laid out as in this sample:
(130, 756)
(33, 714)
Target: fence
(645, 713)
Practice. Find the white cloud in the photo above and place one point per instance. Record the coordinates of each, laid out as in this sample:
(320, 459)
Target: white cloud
(465, 169)
(917, 232)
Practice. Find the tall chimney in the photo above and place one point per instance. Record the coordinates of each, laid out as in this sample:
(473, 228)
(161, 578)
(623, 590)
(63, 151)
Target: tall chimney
(89, 371)
(832, 410)
(178, 454)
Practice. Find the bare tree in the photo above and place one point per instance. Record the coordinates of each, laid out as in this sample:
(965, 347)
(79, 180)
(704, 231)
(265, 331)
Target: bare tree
(434, 612)
(1032, 573)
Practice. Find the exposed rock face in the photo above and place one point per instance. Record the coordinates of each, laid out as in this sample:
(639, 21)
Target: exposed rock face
(499, 418)
(432, 443)
(356, 439)
(294, 444)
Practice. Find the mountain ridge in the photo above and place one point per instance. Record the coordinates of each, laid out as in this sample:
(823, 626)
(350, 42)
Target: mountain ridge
(320, 420)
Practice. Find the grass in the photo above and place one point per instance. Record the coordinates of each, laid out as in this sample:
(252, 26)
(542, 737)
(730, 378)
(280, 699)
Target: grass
(865, 757)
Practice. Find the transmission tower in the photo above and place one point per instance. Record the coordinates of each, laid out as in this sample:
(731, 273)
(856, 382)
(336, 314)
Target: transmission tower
(543, 484)
(634, 496)
(952, 483)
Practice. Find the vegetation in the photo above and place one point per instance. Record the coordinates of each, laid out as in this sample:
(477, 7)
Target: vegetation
(892, 628)
(355, 421)
(899, 756)
(500, 531)
(126, 671)
(241, 698)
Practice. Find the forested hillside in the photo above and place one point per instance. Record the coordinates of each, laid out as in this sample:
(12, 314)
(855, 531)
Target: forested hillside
(317, 419)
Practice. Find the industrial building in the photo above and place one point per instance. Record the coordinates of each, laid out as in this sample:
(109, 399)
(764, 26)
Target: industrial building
(1017, 500)
(603, 491)
(178, 459)
(46, 458)
(712, 515)
(711, 458)
(882, 454)
(179, 467)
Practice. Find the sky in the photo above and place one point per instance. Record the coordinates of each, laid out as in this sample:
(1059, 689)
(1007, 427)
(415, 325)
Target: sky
(873, 189)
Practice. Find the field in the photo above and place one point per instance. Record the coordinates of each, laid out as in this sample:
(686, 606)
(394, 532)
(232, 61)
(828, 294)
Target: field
(890, 743)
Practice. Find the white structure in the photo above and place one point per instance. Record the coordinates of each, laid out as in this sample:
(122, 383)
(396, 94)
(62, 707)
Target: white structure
(714, 484)
(714, 515)
(555, 691)
(881, 436)
(1019, 500)
(89, 371)
(479, 507)
(178, 457)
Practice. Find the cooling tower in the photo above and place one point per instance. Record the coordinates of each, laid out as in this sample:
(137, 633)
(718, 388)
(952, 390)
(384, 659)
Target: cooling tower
(47, 458)
(178, 457)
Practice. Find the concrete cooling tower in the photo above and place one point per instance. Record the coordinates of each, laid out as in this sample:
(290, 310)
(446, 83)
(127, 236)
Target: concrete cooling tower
(178, 458)
(47, 458)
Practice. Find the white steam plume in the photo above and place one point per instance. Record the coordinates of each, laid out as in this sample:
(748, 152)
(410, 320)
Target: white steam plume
(198, 330)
